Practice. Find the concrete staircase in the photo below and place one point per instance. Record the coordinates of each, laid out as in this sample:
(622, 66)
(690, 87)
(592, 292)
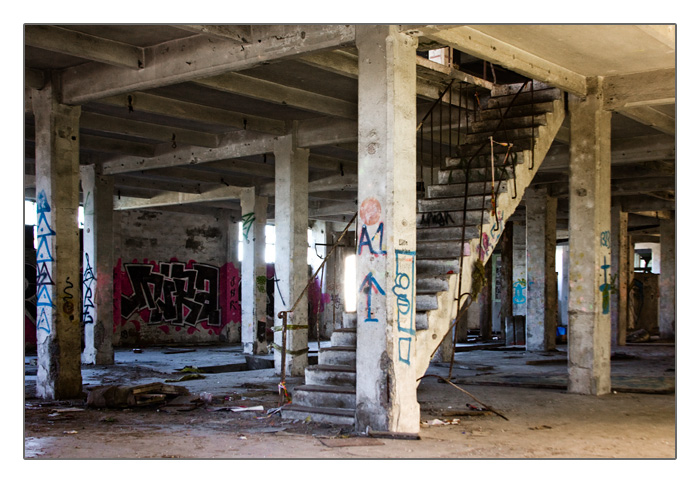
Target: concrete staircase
(329, 392)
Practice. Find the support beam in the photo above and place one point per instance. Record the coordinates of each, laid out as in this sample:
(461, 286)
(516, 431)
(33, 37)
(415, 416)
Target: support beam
(667, 281)
(240, 34)
(474, 42)
(639, 89)
(506, 243)
(79, 44)
(165, 106)
(649, 116)
(291, 269)
(98, 264)
(267, 91)
(619, 269)
(58, 252)
(589, 245)
(166, 199)
(253, 277)
(541, 280)
(195, 57)
(386, 336)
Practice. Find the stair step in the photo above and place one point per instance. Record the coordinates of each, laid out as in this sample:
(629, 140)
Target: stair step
(341, 355)
(455, 203)
(344, 337)
(515, 111)
(349, 320)
(526, 98)
(447, 218)
(455, 175)
(431, 234)
(457, 189)
(426, 302)
(324, 396)
(468, 150)
(489, 126)
(421, 320)
(432, 284)
(323, 375)
(440, 250)
(340, 416)
(437, 266)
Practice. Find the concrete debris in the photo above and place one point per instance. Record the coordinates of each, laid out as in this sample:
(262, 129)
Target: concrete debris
(641, 335)
(133, 396)
(438, 422)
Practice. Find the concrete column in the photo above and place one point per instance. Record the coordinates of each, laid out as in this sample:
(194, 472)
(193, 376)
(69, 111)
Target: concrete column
(619, 271)
(386, 377)
(486, 305)
(667, 280)
(98, 266)
(541, 243)
(253, 271)
(58, 253)
(507, 283)
(564, 288)
(519, 269)
(232, 229)
(291, 245)
(589, 250)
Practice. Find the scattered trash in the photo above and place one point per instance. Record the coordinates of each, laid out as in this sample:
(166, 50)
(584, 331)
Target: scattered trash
(137, 351)
(439, 422)
(542, 426)
(640, 335)
(70, 432)
(242, 437)
(345, 442)
(206, 397)
(189, 369)
(238, 409)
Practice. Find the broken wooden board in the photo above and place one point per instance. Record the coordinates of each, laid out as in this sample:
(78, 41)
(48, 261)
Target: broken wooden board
(346, 442)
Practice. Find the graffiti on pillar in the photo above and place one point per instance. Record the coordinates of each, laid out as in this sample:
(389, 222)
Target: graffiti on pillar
(88, 285)
(44, 259)
(489, 240)
(176, 294)
(248, 220)
(370, 213)
(605, 287)
(605, 239)
(441, 218)
(519, 291)
(230, 283)
(403, 288)
(369, 285)
(68, 305)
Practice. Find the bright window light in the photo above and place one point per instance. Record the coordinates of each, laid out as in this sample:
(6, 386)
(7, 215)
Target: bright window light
(349, 284)
(29, 212)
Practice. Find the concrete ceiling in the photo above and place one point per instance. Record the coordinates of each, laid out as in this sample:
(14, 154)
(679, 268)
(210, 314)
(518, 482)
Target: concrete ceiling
(156, 97)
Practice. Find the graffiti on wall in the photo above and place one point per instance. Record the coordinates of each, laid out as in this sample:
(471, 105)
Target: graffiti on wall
(605, 287)
(368, 286)
(440, 218)
(88, 294)
(370, 213)
(403, 288)
(247, 220)
(44, 259)
(519, 291)
(490, 239)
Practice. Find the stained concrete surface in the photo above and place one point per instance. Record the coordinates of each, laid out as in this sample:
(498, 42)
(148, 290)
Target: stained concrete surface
(542, 422)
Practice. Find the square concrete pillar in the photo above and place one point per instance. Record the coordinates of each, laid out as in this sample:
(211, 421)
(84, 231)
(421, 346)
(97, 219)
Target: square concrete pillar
(291, 245)
(541, 242)
(253, 269)
(519, 269)
(619, 273)
(98, 265)
(386, 377)
(589, 245)
(58, 253)
(667, 280)
(507, 283)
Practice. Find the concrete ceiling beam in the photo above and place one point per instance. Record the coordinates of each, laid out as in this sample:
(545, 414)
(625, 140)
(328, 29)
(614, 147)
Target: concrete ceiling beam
(196, 57)
(223, 193)
(478, 44)
(158, 132)
(640, 89)
(267, 91)
(79, 44)
(649, 116)
(165, 106)
(240, 34)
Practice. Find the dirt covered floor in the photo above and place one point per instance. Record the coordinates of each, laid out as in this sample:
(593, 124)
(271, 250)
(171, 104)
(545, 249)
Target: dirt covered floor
(540, 419)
